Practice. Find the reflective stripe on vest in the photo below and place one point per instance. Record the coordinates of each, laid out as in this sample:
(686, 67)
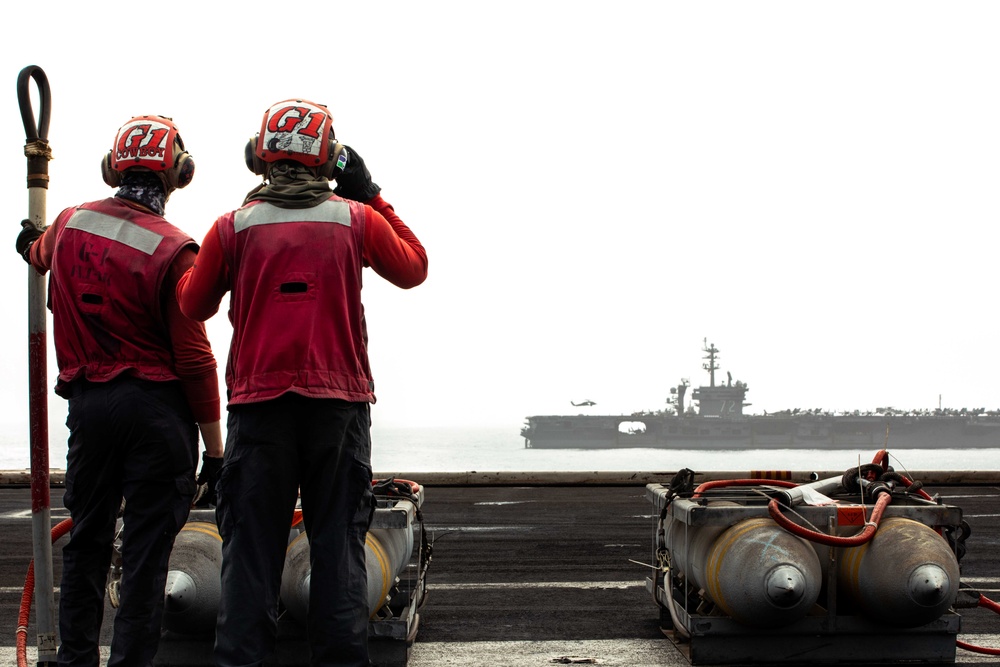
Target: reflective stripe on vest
(115, 229)
(269, 214)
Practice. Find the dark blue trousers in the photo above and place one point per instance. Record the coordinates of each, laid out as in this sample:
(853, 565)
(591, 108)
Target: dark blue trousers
(136, 440)
(275, 449)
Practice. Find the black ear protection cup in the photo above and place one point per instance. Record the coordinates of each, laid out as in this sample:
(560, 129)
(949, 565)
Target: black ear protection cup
(335, 162)
(111, 177)
(182, 172)
(254, 163)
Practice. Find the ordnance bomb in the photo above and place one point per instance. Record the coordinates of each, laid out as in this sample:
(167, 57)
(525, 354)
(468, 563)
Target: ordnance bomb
(756, 572)
(905, 576)
(194, 580)
(387, 552)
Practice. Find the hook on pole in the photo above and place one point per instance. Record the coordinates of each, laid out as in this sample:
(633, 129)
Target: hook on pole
(33, 132)
(36, 147)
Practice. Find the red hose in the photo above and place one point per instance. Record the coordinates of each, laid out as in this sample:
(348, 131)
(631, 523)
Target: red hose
(705, 486)
(21, 642)
(882, 459)
(995, 608)
(832, 540)
(22, 617)
(920, 492)
(989, 604)
(775, 511)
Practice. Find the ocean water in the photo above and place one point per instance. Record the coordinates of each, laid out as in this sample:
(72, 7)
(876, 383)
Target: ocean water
(501, 449)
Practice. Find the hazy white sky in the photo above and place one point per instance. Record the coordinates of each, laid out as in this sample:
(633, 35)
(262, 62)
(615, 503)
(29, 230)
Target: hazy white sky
(812, 186)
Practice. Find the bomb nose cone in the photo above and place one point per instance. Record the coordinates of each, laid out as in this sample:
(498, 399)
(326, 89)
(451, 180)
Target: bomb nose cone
(785, 586)
(929, 585)
(180, 592)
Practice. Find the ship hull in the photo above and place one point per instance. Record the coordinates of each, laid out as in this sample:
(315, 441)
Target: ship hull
(760, 432)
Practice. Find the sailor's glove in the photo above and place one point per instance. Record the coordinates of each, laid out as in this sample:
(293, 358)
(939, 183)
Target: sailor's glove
(27, 236)
(356, 182)
(209, 475)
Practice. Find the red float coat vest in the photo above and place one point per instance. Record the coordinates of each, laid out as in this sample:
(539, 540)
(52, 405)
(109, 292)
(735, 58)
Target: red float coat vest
(108, 267)
(298, 322)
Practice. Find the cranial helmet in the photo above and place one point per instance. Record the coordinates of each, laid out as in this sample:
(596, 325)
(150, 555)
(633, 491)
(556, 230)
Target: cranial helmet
(149, 142)
(296, 130)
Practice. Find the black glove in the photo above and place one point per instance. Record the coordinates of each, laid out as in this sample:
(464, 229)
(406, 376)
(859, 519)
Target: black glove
(209, 475)
(28, 235)
(356, 182)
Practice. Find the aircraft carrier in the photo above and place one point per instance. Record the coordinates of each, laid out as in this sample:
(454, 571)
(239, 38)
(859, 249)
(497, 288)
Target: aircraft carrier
(539, 568)
(715, 420)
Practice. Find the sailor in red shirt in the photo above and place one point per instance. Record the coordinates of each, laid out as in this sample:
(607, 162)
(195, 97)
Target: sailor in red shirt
(298, 379)
(140, 379)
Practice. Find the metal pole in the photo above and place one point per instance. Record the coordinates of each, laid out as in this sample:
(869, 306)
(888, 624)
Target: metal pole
(38, 154)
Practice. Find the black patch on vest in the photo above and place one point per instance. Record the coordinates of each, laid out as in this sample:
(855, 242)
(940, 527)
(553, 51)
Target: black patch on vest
(94, 299)
(293, 288)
